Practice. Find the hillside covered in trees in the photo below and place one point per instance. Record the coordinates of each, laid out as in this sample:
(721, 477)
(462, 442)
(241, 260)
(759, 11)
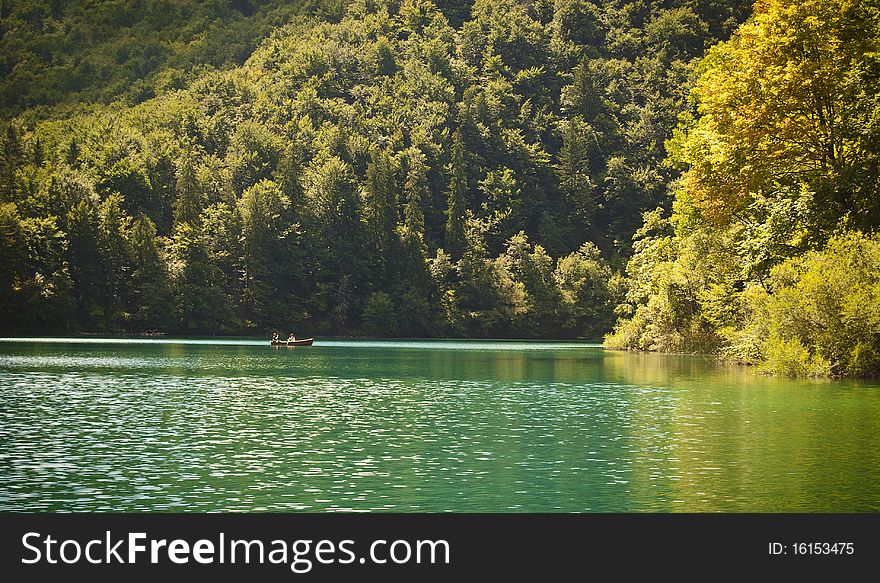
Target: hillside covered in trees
(698, 176)
(58, 56)
(467, 170)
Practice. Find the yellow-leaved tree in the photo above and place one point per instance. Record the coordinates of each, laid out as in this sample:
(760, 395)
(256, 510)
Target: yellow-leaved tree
(789, 101)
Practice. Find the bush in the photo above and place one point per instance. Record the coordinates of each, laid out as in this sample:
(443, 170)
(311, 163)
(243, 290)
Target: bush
(587, 304)
(790, 358)
(380, 317)
(822, 312)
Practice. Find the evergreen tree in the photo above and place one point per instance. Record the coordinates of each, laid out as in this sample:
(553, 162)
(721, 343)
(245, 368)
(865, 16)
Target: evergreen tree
(87, 269)
(264, 219)
(288, 174)
(37, 153)
(205, 307)
(573, 170)
(11, 156)
(12, 262)
(456, 199)
(381, 206)
(415, 190)
(115, 251)
(151, 302)
(339, 256)
(189, 200)
(71, 157)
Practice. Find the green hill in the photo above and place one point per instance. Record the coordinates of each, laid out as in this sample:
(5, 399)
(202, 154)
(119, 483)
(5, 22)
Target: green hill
(389, 173)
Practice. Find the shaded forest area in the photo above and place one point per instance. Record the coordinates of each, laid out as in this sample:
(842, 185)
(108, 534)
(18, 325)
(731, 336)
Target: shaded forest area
(469, 170)
(60, 55)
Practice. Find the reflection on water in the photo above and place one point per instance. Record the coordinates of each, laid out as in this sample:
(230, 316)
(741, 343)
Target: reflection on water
(422, 426)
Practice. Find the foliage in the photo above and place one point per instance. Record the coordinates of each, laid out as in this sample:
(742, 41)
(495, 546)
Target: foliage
(789, 100)
(768, 257)
(827, 305)
(380, 315)
(383, 167)
(62, 53)
(583, 280)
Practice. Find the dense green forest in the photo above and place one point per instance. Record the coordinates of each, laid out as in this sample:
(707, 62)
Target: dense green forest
(770, 255)
(385, 174)
(703, 175)
(61, 55)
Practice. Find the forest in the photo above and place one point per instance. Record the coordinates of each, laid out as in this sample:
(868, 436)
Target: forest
(682, 176)
(769, 254)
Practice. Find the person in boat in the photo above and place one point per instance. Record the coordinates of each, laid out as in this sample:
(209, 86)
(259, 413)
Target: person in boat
(275, 337)
(291, 338)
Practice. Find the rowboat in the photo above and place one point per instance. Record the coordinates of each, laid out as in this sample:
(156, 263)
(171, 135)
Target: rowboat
(302, 342)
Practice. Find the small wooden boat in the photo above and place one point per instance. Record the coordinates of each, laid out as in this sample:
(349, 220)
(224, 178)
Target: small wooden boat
(297, 342)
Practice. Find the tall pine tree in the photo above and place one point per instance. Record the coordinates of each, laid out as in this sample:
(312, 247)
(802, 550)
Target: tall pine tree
(456, 238)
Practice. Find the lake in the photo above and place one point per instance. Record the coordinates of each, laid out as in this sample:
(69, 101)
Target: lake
(421, 426)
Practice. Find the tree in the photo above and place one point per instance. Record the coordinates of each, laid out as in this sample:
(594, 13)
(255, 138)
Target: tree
(588, 306)
(573, 170)
(12, 260)
(456, 199)
(788, 100)
(151, 301)
(338, 256)
(415, 190)
(87, 269)
(380, 197)
(11, 156)
(115, 251)
(44, 293)
(578, 21)
(386, 155)
(531, 267)
(189, 200)
(221, 230)
(252, 156)
(71, 157)
(380, 315)
(205, 308)
(582, 97)
(822, 313)
(288, 174)
(778, 158)
(263, 209)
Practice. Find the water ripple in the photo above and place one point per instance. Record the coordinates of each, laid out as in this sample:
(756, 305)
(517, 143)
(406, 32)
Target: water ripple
(393, 426)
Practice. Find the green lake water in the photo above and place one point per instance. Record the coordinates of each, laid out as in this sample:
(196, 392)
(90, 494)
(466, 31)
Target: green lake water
(235, 425)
